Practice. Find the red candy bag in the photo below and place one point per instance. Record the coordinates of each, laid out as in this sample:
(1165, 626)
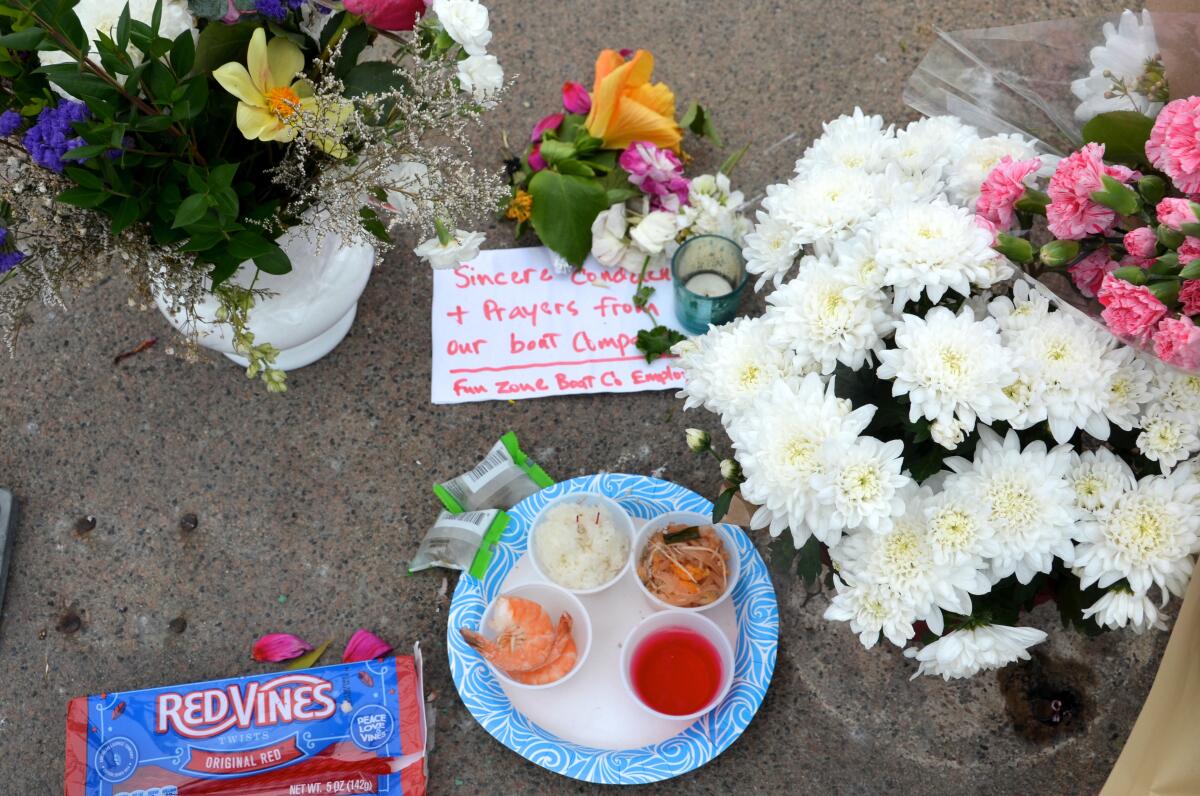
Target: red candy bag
(357, 728)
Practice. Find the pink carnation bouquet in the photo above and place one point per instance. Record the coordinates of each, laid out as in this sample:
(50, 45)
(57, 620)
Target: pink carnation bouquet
(1124, 214)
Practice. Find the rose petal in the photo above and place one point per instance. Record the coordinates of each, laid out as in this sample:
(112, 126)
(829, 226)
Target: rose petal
(276, 647)
(365, 646)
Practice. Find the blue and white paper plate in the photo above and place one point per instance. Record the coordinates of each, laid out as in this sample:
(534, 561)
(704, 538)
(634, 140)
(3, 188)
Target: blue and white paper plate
(757, 639)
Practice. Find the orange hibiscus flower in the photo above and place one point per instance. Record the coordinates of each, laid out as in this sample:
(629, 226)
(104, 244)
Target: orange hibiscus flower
(627, 107)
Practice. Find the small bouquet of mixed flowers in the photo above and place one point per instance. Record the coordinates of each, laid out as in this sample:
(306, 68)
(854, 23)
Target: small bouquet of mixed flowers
(182, 138)
(605, 175)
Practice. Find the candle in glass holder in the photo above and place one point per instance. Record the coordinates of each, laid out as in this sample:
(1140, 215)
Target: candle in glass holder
(709, 274)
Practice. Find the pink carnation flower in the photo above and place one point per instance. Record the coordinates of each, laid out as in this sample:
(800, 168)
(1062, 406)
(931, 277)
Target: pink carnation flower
(1089, 273)
(1188, 250)
(1071, 214)
(1175, 212)
(1141, 242)
(1177, 342)
(1189, 297)
(1131, 311)
(1001, 189)
(658, 173)
(1174, 144)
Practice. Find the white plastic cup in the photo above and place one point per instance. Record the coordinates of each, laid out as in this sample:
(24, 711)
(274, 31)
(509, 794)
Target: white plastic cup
(588, 501)
(697, 623)
(661, 522)
(555, 600)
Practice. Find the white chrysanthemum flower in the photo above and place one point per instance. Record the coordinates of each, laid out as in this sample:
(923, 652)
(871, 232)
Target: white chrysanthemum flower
(1176, 391)
(771, 249)
(1068, 363)
(855, 257)
(871, 609)
(712, 208)
(1025, 309)
(1099, 478)
(903, 558)
(466, 22)
(1128, 388)
(1120, 607)
(1029, 503)
(931, 248)
(1168, 437)
(859, 487)
(951, 367)
(731, 365)
(928, 146)
(102, 16)
(824, 318)
(1147, 538)
(957, 524)
(1127, 47)
(965, 653)
(856, 141)
(780, 438)
(825, 205)
(968, 172)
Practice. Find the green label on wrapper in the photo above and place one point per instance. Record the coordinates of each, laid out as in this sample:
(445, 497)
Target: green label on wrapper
(504, 477)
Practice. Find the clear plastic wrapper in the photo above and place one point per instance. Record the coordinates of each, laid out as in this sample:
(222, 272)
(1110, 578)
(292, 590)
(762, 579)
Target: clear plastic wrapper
(461, 541)
(504, 478)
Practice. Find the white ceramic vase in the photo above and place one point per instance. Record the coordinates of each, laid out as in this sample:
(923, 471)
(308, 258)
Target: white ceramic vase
(310, 310)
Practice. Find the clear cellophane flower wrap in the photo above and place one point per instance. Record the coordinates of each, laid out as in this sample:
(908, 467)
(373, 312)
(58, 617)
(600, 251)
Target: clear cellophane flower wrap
(1045, 81)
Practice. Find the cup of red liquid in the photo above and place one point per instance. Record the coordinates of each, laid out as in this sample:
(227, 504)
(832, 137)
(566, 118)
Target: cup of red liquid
(677, 665)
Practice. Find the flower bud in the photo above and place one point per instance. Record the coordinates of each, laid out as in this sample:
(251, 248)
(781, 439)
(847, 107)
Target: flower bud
(1168, 237)
(698, 441)
(575, 98)
(1016, 249)
(1152, 188)
(1058, 253)
(731, 471)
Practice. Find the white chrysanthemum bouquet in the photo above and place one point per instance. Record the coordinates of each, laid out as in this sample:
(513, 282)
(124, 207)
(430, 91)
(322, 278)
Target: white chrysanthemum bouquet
(961, 447)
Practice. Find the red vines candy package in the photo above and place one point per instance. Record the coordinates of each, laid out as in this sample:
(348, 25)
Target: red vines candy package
(350, 729)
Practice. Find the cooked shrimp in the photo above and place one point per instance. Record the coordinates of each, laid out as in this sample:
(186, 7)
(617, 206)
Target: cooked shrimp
(562, 658)
(525, 636)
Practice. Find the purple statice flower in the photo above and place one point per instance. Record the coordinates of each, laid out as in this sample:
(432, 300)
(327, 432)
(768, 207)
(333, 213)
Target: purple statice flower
(8, 259)
(52, 135)
(277, 9)
(10, 121)
(658, 173)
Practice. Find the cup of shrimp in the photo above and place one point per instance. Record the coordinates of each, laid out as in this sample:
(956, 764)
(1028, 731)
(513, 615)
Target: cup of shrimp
(533, 636)
(684, 562)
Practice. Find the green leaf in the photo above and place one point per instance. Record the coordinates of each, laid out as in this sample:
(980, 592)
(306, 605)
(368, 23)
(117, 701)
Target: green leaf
(222, 176)
(371, 223)
(226, 201)
(191, 210)
(161, 81)
(201, 241)
(657, 342)
(616, 195)
(809, 557)
(27, 39)
(557, 151)
(1191, 270)
(372, 77)
(85, 86)
(126, 213)
(698, 120)
(1166, 291)
(353, 42)
(183, 53)
(576, 167)
(248, 244)
(274, 261)
(224, 268)
(781, 554)
(156, 17)
(731, 162)
(222, 44)
(84, 178)
(83, 197)
(1119, 197)
(122, 40)
(309, 659)
(1123, 133)
(564, 207)
(721, 504)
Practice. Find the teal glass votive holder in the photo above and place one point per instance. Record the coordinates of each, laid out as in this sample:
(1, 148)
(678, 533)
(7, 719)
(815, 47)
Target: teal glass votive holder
(709, 275)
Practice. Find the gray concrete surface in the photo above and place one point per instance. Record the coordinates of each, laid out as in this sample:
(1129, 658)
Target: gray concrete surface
(308, 505)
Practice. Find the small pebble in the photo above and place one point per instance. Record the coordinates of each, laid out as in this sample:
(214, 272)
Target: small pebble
(189, 522)
(178, 624)
(85, 525)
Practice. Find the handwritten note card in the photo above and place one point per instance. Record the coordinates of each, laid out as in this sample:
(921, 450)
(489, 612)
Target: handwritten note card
(507, 325)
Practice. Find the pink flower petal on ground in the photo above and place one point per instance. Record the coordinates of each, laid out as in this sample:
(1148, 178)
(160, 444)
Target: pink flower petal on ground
(365, 646)
(575, 98)
(1177, 342)
(276, 647)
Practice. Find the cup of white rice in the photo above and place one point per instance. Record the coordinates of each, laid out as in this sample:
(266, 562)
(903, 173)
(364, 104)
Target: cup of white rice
(582, 542)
